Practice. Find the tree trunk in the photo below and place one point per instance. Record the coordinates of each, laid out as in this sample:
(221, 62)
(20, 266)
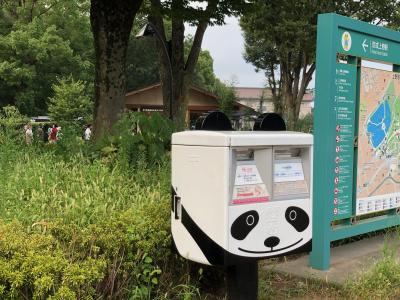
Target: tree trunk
(179, 89)
(182, 72)
(294, 82)
(276, 89)
(111, 23)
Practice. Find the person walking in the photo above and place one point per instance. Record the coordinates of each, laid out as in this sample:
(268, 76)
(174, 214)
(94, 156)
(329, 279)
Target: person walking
(88, 133)
(46, 129)
(39, 133)
(28, 134)
(53, 134)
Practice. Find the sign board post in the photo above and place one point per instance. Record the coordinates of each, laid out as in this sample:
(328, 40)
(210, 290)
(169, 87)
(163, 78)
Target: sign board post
(356, 133)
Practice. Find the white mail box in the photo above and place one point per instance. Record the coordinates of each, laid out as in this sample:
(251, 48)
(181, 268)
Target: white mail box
(240, 196)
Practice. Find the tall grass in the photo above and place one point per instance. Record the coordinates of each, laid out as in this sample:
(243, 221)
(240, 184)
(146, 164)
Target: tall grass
(80, 223)
(37, 184)
(381, 279)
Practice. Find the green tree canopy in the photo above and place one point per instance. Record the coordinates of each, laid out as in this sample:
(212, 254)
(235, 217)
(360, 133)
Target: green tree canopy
(280, 39)
(200, 14)
(70, 101)
(40, 40)
(205, 78)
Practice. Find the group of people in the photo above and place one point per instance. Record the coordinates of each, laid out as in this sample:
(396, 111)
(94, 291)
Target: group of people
(46, 133)
(50, 134)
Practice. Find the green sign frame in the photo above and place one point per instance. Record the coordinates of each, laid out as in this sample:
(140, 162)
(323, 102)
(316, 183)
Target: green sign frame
(336, 108)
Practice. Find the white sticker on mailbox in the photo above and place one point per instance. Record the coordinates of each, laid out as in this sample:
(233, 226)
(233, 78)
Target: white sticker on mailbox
(247, 174)
(255, 193)
(288, 171)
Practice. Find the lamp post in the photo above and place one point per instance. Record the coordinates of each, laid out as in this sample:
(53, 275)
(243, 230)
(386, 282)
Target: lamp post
(150, 30)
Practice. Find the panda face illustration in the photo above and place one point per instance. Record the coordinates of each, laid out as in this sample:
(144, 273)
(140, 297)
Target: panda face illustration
(269, 230)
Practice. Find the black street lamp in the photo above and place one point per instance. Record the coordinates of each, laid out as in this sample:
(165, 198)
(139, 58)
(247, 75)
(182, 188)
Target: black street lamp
(150, 30)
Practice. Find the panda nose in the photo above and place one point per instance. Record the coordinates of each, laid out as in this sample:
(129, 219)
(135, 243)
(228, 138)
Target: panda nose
(271, 242)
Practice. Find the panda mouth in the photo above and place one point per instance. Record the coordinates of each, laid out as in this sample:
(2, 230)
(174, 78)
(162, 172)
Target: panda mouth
(272, 249)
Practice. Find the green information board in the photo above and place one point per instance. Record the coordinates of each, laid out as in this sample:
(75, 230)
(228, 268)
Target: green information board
(354, 179)
(344, 106)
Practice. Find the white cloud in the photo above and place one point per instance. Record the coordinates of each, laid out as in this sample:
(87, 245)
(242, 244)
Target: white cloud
(226, 46)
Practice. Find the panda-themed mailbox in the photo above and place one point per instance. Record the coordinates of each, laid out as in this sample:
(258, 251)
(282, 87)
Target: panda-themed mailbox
(240, 196)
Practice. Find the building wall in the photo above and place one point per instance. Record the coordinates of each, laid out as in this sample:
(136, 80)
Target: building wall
(268, 106)
(197, 98)
(150, 97)
(305, 108)
(251, 97)
(153, 97)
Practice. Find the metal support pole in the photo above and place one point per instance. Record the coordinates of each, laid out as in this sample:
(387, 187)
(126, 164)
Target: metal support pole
(167, 53)
(242, 281)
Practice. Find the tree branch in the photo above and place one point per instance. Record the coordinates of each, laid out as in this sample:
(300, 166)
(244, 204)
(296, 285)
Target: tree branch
(48, 8)
(306, 78)
(198, 39)
(196, 47)
(296, 72)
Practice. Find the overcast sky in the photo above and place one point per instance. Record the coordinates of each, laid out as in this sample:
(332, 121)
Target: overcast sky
(226, 46)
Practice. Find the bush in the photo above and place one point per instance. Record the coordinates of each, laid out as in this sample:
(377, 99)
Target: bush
(83, 231)
(77, 225)
(305, 124)
(109, 259)
(11, 124)
(71, 101)
(11, 117)
(139, 140)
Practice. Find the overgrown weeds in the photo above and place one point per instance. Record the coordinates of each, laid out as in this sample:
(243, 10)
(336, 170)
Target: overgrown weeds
(382, 280)
(78, 222)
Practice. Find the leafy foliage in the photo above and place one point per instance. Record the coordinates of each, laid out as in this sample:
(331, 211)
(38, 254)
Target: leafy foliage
(70, 101)
(40, 41)
(56, 261)
(139, 140)
(205, 78)
(77, 225)
(305, 124)
(280, 39)
(10, 117)
(176, 84)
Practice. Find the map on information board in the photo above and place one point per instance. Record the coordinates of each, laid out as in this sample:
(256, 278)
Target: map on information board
(378, 167)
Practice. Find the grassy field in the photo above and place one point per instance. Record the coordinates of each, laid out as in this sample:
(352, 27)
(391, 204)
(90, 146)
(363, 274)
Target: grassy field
(79, 222)
(37, 184)
(381, 282)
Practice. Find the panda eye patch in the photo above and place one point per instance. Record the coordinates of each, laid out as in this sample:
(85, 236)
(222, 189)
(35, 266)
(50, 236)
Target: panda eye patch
(242, 226)
(297, 217)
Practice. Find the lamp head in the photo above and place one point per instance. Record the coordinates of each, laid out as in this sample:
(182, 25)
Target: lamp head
(147, 30)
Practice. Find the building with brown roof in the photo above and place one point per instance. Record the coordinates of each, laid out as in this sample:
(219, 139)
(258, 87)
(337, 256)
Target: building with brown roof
(260, 99)
(150, 99)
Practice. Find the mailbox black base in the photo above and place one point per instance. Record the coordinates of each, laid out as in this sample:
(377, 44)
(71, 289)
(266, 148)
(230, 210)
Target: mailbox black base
(242, 281)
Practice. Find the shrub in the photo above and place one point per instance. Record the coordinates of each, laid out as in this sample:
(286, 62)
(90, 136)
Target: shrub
(305, 124)
(74, 226)
(139, 139)
(60, 261)
(71, 101)
(11, 117)
(11, 123)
